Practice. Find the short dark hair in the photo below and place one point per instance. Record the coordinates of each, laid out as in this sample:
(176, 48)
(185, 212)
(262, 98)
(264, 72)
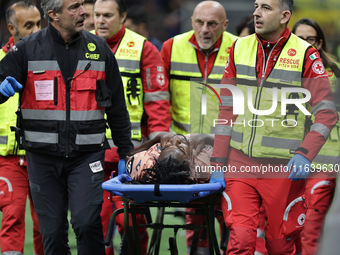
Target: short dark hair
(287, 5)
(10, 12)
(248, 22)
(122, 7)
(89, 1)
(137, 14)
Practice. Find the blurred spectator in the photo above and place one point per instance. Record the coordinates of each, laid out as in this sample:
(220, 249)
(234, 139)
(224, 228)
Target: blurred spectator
(246, 26)
(320, 189)
(136, 20)
(89, 22)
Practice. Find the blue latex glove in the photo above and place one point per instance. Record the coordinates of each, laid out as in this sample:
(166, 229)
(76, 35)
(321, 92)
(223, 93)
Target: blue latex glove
(9, 86)
(299, 167)
(120, 179)
(121, 167)
(216, 177)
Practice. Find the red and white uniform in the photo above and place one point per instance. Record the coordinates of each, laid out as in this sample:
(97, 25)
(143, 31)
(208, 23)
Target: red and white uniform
(243, 195)
(14, 189)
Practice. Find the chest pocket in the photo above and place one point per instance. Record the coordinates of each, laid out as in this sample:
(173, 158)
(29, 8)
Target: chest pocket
(83, 93)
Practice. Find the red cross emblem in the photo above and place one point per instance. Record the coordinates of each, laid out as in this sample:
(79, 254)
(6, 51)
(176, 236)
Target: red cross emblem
(318, 67)
(160, 79)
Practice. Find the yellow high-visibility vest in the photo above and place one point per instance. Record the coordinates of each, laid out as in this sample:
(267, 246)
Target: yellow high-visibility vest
(8, 117)
(188, 96)
(269, 135)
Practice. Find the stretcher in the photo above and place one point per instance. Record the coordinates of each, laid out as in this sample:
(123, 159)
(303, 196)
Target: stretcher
(139, 198)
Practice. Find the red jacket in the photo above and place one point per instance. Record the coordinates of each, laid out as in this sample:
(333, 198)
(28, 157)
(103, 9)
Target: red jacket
(157, 112)
(316, 83)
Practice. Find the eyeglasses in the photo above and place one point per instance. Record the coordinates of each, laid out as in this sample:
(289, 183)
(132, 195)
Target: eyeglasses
(311, 39)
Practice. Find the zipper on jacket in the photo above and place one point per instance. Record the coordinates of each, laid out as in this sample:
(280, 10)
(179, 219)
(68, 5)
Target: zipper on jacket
(68, 106)
(258, 95)
(55, 90)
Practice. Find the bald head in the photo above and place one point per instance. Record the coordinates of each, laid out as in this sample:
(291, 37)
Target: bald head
(215, 8)
(209, 20)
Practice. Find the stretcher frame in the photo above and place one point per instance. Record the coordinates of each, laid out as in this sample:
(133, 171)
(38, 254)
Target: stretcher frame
(139, 198)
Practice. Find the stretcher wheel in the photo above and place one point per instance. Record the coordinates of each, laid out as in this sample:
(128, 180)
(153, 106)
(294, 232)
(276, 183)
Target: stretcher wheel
(124, 246)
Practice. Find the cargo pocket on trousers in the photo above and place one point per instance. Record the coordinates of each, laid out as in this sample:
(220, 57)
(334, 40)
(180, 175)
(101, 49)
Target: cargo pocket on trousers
(97, 191)
(294, 217)
(228, 212)
(6, 191)
(37, 200)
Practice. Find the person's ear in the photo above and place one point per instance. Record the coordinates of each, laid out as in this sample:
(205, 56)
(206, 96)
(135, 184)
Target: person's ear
(225, 24)
(12, 29)
(53, 15)
(285, 17)
(123, 17)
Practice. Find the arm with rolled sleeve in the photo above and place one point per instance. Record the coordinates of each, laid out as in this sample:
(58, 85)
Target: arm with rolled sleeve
(156, 91)
(117, 114)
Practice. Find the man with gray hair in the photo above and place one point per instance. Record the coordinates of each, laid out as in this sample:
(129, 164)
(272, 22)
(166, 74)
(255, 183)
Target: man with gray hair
(68, 80)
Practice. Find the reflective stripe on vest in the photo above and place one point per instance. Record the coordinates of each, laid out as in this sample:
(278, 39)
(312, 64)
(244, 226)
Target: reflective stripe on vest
(134, 142)
(186, 91)
(46, 119)
(128, 56)
(268, 135)
(50, 115)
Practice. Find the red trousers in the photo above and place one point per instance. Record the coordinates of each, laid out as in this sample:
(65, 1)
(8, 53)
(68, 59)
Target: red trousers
(284, 210)
(319, 196)
(14, 189)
